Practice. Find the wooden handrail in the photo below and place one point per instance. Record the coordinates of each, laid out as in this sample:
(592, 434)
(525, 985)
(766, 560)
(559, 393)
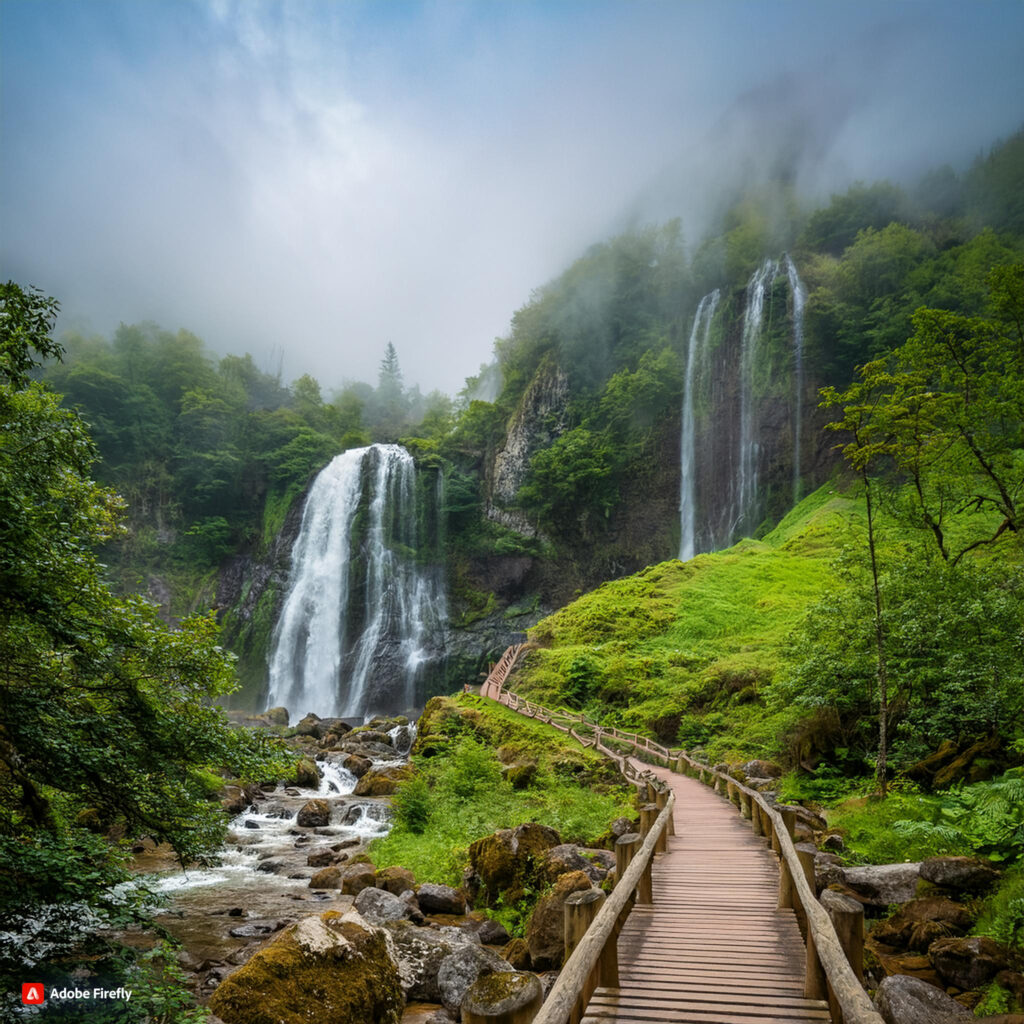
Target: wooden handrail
(568, 988)
(825, 952)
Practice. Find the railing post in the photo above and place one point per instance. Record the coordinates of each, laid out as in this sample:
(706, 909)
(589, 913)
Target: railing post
(625, 847)
(745, 805)
(660, 800)
(788, 819)
(756, 818)
(580, 910)
(848, 920)
(648, 815)
(785, 885)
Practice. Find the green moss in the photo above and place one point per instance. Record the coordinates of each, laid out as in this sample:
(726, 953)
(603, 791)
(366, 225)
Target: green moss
(348, 975)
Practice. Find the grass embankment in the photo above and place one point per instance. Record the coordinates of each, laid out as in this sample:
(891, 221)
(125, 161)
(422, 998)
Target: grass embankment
(480, 768)
(684, 650)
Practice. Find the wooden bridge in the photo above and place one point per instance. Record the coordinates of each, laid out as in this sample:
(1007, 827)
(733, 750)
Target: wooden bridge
(706, 920)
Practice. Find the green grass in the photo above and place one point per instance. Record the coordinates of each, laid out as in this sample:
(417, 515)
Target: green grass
(575, 791)
(696, 638)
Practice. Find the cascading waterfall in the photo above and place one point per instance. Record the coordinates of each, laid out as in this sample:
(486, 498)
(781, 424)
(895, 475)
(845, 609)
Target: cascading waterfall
(361, 617)
(688, 484)
(745, 487)
(799, 293)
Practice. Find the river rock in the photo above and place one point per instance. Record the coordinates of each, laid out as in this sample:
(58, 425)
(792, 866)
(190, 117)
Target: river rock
(329, 967)
(321, 859)
(461, 968)
(368, 748)
(440, 899)
(395, 880)
(236, 799)
(357, 764)
(379, 907)
(307, 774)
(960, 874)
(356, 878)
(492, 933)
(313, 814)
(917, 924)
(307, 726)
(276, 716)
(967, 963)
(879, 885)
(383, 781)
(419, 952)
(904, 1000)
(328, 878)
(545, 932)
(503, 996)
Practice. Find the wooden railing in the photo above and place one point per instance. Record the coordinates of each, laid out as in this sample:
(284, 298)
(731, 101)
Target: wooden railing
(495, 680)
(828, 974)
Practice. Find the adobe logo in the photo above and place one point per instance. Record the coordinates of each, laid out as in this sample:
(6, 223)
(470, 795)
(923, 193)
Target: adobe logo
(32, 994)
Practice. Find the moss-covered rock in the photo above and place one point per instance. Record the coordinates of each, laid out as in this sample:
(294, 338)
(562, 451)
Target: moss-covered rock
(324, 969)
(383, 781)
(545, 934)
(508, 861)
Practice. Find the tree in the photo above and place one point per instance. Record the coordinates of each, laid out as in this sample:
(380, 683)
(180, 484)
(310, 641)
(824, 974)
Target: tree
(107, 717)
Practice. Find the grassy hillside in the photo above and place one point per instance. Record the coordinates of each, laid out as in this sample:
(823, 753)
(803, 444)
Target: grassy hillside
(685, 650)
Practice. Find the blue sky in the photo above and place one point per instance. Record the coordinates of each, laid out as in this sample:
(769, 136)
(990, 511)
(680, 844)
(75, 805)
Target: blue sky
(318, 178)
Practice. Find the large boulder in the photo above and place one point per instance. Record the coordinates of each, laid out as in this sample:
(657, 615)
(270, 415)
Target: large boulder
(762, 770)
(566, 857)
(440, 899)
(383, 781)
(967, 963)
(880, 885)
(917, 924)
(504, 863)
(327, 878)
(395, 880)
(379, 907)
(904, 1000)
(307, 774)
(323, 969)
(545, 932)
(314, 814)
(419, 952)
(461, 968)
(959, 874)
(358, 877)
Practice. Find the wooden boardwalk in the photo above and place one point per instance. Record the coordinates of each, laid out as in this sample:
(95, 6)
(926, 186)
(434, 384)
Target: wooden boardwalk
(713, 948)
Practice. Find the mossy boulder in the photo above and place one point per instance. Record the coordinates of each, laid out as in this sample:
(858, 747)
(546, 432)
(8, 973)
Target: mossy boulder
(324, 969)
(395, 880)
(917, 924)
(313, 814)
(307, 774)
(383, 781)
(510, 860)
(358, 876)
(545, 934)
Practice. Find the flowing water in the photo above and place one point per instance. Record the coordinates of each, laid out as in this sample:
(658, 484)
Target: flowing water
(688, 443)
(745, 484)
(799, 293)
(362, 615)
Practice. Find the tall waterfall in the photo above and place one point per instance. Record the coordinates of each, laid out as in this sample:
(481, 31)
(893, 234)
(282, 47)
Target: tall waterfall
(688, 484)
(799, 293)
(745, 485)
(361, 616)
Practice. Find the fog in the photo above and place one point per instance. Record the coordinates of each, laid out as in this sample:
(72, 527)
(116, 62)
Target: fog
(310, 180)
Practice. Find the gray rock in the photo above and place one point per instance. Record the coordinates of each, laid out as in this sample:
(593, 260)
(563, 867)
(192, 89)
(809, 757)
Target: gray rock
(962, 874)
(902, 999)
(761, 770)
(458, 936)
(967, 963)
(492, 933)
(379, 906)
(440, 899)
(461, 968)
(567, 857)
(882, 884)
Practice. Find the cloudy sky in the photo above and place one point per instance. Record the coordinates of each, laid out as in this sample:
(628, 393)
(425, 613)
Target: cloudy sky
(314, 179)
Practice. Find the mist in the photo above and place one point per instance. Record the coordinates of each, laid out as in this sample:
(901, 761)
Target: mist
(308, 181)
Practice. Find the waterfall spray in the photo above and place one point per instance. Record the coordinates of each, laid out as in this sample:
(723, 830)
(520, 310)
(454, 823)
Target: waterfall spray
(360, 616)
(688, 454)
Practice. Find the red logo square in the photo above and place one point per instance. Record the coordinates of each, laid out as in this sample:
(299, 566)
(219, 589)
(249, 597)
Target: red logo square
(32, 993)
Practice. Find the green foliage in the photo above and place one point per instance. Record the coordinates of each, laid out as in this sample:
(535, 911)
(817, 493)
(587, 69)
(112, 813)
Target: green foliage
(106, 715)
(467, 796)
(1002, 915)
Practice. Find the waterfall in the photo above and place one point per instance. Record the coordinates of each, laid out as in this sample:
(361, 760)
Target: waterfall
(361, 616)
(745, 485)
(688, 461)
(799, 292)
